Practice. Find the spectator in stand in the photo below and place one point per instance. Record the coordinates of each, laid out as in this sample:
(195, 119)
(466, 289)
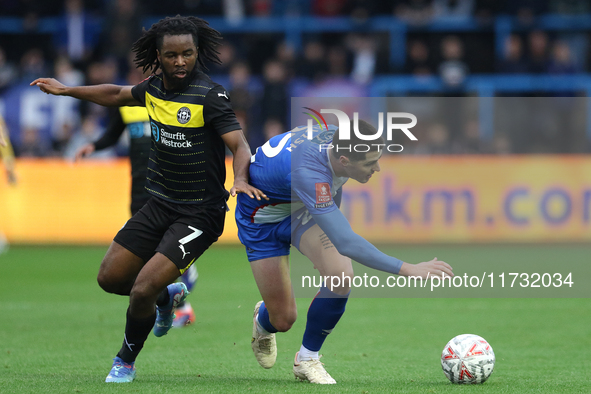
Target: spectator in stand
(537, 52)
(60, 138)
(274, 102)
(561, 61)
(313, 66)
(329, 8)
(364, 58)
(563, 137)
(360, 10)
(31, 144)
(243, 100)
(89, 132)
(418, 62)
(227, 54)
(486, 10)
(272, 128)
(569, 7)
(30, 13)
(97, 73)
(525, 10)
(75, 37)
(513, 63)
(261, 8)
(470, 143)
(123, 27)
(8, 73)
(457, 9)
(29, 10)
(64, 122)
(338, 62)
(286, 54)
(453, 70)
(32, 63)
(415, 12)
(233, 10)
(187, 7)
(501, 144)
(65, 71)
(437, 141)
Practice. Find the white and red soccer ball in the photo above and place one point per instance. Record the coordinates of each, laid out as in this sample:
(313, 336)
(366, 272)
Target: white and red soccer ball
(467, 358)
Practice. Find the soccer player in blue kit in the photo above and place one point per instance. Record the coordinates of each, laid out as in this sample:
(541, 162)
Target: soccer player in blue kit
(303, 179)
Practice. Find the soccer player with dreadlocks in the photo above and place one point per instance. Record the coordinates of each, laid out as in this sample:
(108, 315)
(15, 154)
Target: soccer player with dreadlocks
(191, 120)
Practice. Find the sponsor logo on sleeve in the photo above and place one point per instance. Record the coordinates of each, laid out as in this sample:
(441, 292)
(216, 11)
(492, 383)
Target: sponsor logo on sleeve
(155, 131)
(323, 196)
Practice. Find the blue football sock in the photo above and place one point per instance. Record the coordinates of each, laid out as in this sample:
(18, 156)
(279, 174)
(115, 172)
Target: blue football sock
(324, 314)
(264, 319)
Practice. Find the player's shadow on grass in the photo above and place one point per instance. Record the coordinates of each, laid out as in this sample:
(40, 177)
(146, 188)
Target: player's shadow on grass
(207, 379)
(272, 384)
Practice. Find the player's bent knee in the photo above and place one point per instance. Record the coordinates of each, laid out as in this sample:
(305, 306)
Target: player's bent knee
(336, 277)
(285, 323)
(283, 326)
(114, 285)
(144, 293)
(284, 319)
(339, 283)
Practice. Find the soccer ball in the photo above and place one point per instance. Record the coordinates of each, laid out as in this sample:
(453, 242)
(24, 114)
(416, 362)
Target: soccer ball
(467, 358)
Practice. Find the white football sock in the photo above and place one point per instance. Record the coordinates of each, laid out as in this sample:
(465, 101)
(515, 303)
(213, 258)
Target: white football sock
(260, 328)
(307, 355)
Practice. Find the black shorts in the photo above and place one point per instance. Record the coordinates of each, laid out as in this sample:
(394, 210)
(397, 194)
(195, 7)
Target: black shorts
(181, 232)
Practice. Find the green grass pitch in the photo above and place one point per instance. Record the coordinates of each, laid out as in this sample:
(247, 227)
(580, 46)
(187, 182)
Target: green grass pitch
(59, 332)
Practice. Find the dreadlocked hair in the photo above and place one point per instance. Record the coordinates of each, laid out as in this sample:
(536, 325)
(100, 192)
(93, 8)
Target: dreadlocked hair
(205, 37)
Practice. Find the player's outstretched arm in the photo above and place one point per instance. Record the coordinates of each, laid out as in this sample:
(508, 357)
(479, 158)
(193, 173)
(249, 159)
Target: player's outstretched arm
(237, 144)
(105, 94)
(350, 244)
(428, 268)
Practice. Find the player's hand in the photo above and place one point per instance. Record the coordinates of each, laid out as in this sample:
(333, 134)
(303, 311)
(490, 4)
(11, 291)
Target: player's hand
(428, 268)
(50, 86)
(85, 151)
(250, 191)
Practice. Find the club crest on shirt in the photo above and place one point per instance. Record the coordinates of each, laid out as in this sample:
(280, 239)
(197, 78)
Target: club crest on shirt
(183, 115)
(323, 196)
(323, 137)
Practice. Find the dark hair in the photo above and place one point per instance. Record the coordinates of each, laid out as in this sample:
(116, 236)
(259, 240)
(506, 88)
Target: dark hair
(206, 39)
(347, 147)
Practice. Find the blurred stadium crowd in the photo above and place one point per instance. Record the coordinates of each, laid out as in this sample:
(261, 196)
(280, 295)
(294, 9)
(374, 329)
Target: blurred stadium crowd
(89, 41)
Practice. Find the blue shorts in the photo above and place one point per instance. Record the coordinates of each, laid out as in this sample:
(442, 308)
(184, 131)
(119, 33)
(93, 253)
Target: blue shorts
(264, 240)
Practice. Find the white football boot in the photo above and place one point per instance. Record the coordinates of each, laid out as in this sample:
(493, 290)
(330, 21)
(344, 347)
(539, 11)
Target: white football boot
(263, 346)
(313, 371)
